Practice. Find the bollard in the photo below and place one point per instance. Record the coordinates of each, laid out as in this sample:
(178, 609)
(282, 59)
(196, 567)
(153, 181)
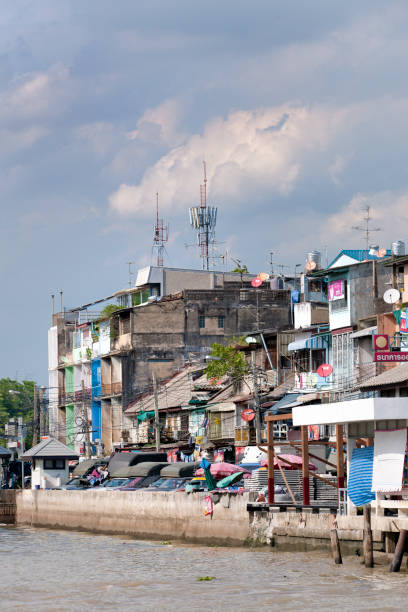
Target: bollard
(334, 541)
(368, 538)
(399, 551)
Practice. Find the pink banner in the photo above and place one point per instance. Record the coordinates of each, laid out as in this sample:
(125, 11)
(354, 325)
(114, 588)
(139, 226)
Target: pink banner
(337, 290)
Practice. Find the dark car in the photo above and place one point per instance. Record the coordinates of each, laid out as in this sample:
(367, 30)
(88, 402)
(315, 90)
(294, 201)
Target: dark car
(143, 475)
(175, 476)
(77, 483)
(126, 474)
(170, 484)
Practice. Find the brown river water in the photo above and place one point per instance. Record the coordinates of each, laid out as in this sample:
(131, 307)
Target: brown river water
(51, 571)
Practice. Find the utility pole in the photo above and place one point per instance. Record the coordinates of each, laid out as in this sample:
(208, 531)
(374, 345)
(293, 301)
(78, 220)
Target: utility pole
(35, 417)
(85, 422)
(256, 399)
(42, 411)
(156, 413)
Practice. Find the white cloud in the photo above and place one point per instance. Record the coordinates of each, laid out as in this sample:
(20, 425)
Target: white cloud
(267, 147)
(36, 95)
(160, 124)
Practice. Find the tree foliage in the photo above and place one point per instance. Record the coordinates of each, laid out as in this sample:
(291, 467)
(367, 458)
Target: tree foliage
(241, 270)
(16, 400)
(108, 311)
(227, 361)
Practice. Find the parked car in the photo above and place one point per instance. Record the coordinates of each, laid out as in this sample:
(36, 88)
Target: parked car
(84, 468)
(77, 483)
(198, 483)
(124, 459)
(143, 475)
(127, 473)
(175, 476)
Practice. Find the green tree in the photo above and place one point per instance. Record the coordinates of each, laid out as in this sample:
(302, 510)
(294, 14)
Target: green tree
(241, 269)
(16, 400)
(228, 360)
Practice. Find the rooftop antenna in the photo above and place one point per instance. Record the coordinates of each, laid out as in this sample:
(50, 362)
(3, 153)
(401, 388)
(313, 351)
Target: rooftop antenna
(203, 219)
(161, 236)
(130, 273)
(366, 229)
(271, 262)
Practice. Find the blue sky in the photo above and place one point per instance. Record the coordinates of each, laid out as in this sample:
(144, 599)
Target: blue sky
(298, 108)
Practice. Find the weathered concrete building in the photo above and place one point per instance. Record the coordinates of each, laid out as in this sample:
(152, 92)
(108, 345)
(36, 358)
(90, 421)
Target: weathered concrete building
(98, 365)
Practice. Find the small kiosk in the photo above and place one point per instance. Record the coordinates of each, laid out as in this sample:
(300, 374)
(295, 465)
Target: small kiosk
(50, 460)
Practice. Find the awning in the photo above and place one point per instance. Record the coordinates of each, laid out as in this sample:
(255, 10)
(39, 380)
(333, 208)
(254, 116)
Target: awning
(297, 345)
(142, 416)
(288, 401)
(314, 342)
(368, 331)
(221, 407)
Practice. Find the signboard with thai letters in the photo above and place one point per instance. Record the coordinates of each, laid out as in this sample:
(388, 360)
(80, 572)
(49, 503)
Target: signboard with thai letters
(337, 290)
(388, 356)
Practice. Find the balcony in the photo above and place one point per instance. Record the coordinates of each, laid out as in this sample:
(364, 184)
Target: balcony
(111, 389)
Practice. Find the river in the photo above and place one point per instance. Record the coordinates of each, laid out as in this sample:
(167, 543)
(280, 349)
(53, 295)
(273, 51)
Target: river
(67, 571)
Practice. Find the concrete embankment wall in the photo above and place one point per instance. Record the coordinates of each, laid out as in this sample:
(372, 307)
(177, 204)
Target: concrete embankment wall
(141, 514)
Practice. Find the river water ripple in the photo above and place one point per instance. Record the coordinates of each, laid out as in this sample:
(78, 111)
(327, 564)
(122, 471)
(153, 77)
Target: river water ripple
(56, 571)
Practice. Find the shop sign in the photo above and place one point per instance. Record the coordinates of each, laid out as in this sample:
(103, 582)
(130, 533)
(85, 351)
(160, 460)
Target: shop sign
(390, 356)
(381, 342)
(336, 290)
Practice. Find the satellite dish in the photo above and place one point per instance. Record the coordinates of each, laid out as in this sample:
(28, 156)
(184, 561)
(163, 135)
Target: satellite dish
(256, 282)
(310, 266)
(391, 296)
(382, 252)
(263, 276)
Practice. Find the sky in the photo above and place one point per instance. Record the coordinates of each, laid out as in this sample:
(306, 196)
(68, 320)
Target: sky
(298, 108)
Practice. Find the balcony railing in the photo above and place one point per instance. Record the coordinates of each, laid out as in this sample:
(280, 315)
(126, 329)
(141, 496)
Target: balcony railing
(112, 388)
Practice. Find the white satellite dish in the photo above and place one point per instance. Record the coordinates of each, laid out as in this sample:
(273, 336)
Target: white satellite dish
(391, 296)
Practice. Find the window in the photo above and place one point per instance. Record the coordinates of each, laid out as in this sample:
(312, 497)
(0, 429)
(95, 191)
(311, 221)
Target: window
(221, 322)
(54, 464)
(403, 391)
(202, 321)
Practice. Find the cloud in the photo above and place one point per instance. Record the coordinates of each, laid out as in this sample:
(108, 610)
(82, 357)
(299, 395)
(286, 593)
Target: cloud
(160, 124)
(98, 136)
(36, 95)
(388, 210)
(266, 147)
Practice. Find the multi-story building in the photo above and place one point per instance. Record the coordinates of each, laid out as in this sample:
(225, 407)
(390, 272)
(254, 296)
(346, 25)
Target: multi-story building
(99, 364)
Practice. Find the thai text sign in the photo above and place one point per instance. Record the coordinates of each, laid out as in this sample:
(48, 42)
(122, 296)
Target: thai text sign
(337, 290)
(391, 356)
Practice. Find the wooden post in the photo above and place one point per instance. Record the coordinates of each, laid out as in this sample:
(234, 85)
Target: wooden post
(368, 538)
(399, 551)
(340, 456)
(271, 475)
(334, 541)
(305, 466)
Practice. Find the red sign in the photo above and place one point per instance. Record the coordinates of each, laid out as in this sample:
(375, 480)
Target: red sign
(388, 356)
(381, 342)
(256, 282)
(249, 414)
(324, 370)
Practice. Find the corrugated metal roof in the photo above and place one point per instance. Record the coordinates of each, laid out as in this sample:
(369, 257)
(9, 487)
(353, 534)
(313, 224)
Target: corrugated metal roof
(393, 376)
(368, 331)
(358, 255)
(50, 447)
(4, 452)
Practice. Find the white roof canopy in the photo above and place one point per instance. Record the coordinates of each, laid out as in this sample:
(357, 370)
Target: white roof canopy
(352, 411)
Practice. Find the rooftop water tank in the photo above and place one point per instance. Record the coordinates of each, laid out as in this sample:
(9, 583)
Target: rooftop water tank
(398, 248)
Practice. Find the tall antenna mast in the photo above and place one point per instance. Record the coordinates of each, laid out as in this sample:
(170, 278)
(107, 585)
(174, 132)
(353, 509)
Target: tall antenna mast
(366, 229)
(160, 237)
(203, 219)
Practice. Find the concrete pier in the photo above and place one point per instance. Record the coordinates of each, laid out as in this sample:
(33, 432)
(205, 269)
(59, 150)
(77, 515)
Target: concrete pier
(176, 515)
